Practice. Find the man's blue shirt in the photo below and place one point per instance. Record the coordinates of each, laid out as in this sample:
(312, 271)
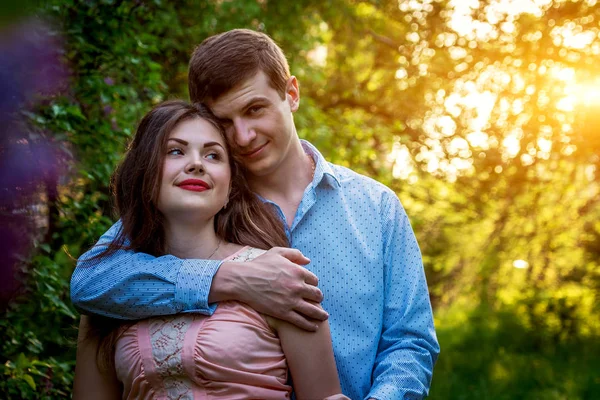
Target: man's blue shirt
(361, 247)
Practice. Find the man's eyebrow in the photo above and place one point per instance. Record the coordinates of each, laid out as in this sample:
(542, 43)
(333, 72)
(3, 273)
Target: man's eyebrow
(255, 99)
(223, 121)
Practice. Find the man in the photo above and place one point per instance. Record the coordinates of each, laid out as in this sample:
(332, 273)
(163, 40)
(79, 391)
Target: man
(354, 230)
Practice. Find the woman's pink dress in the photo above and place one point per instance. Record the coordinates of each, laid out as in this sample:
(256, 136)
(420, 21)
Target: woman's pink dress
(233, 354)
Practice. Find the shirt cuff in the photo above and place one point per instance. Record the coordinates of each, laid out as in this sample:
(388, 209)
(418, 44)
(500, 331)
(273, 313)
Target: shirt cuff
(193, 285)
(387, 391)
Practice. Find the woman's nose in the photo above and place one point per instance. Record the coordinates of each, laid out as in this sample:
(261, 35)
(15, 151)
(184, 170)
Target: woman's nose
(195, 166)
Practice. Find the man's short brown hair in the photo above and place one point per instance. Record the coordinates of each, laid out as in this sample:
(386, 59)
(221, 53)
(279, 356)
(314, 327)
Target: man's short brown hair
(223, 61)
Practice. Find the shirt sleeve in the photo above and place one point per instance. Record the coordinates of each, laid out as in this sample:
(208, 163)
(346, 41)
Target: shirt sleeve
(130, 285)
(408, 347)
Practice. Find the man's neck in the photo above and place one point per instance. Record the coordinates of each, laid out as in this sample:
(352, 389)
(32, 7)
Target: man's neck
(286, 185)
(186, 239)
(291, 176)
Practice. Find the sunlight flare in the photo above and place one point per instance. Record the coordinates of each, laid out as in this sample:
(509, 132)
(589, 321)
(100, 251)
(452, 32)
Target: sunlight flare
(520, 264)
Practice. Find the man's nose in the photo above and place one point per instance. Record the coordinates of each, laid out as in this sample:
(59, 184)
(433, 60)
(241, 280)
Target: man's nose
(244, 133)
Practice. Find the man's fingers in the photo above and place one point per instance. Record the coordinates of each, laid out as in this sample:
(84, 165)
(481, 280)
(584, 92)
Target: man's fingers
(311, 293)
(300, 321)
(311, 311)
(294, 255)
(311, 279)
(288, 291)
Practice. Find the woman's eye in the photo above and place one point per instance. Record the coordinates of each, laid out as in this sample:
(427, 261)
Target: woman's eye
(213, 156)
(174, 152)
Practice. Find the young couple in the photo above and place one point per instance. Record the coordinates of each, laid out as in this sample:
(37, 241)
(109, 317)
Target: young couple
(225, 318)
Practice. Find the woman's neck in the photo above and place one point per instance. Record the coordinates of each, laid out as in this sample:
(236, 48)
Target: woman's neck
(191, 240)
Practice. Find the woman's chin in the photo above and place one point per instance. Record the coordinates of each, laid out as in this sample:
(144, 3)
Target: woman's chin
(190, 214)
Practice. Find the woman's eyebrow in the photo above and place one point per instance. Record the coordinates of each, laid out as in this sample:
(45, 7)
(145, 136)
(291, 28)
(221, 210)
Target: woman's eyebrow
(207, 144)
(183, 142)
(210, 144)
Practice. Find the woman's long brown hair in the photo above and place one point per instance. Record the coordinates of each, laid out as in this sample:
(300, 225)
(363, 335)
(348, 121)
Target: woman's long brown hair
(136, 184)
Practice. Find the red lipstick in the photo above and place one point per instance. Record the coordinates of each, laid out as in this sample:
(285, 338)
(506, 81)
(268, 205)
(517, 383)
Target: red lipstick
(194, 185)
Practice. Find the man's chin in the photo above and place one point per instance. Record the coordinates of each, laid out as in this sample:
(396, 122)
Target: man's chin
(259, 169)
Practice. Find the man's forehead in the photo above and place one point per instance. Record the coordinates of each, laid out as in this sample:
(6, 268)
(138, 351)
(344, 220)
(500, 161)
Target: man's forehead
(253, 89)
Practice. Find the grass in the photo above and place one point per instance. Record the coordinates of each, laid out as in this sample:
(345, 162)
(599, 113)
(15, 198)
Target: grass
(493, 357)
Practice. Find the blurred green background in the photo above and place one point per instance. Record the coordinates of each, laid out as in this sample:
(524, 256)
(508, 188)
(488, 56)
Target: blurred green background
(484, 117)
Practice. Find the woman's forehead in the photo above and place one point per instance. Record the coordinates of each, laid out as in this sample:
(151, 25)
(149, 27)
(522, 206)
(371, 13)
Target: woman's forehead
(197, 130)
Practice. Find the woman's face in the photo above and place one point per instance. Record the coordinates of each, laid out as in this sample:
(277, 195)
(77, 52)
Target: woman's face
(196, 174)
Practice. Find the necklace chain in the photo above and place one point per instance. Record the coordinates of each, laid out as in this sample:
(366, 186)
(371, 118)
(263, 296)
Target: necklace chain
(213, 253)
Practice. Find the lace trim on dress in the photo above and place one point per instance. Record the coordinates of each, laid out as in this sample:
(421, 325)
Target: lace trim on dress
(167, 336)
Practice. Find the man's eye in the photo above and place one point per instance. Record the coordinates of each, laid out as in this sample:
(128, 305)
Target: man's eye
(229, 130)
(227, 123)
(255, 109)
(175, 152)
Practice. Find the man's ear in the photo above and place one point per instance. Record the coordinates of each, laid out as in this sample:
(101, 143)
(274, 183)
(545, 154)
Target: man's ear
(292, 93)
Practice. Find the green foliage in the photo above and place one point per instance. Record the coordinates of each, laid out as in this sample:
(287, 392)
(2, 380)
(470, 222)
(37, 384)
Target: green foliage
(109, 49)
(490, 355)
(38, 332)
(377, 78)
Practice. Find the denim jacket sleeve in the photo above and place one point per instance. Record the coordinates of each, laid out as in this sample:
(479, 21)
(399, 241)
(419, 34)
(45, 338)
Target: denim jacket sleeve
(129, 285)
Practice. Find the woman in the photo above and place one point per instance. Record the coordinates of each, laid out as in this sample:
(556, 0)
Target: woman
(180, 192)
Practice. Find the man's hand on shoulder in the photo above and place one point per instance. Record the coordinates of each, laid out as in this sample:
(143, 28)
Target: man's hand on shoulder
(275, 284)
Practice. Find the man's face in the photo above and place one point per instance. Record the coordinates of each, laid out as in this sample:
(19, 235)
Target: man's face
(259, 122)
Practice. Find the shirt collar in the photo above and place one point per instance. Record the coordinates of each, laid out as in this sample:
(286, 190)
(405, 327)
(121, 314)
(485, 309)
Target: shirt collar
(322, 168)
